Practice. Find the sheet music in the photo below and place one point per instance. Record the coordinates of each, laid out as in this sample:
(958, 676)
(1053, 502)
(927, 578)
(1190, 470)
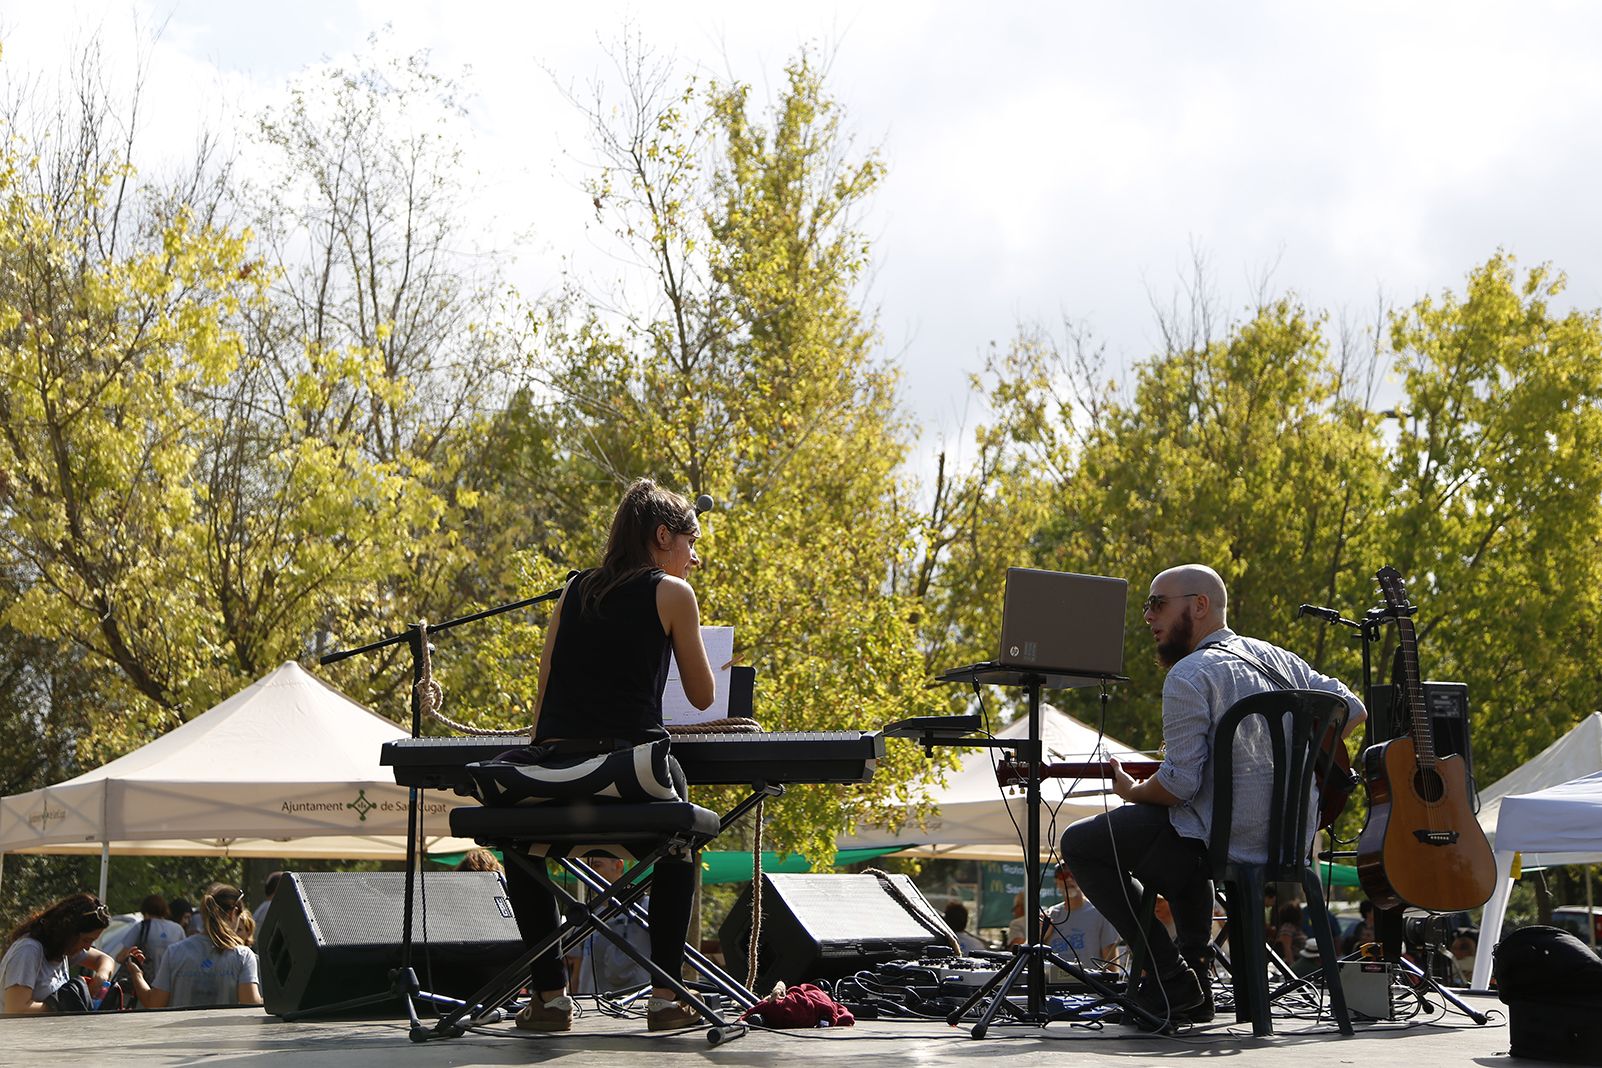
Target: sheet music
(676, 708)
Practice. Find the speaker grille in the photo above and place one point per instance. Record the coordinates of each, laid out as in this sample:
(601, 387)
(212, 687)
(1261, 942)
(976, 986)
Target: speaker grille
(367, 908)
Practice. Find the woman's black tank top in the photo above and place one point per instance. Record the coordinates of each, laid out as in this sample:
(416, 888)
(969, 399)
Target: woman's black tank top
(608, 665)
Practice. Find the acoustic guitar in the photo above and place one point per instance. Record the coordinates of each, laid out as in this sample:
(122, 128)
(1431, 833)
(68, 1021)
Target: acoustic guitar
(1421, 845)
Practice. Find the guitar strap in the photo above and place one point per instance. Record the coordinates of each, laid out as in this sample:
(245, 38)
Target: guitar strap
(1273, 676)
(1329, 775)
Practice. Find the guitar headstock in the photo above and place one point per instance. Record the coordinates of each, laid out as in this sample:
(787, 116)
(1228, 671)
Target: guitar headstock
(1394, 590)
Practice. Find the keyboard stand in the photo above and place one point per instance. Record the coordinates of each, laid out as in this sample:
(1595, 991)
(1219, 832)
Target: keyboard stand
(713, 975)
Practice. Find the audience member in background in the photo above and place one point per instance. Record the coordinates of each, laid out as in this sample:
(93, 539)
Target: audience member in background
(957, 920)
(1017, 930)
(215, 968)
(151, 935)
(596, 965)
(36, 971)
(269, 886)
(1464, 949)
(1163, 913)
(480, 859)
(180, 911)
(1074, 928)
(1289, 937)
(1363, 933)
(196, 924)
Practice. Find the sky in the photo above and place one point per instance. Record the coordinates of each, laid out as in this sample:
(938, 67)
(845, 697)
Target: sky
(1046, 163)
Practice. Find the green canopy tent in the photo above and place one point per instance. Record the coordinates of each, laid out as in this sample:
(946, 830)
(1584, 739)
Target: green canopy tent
(733, 867)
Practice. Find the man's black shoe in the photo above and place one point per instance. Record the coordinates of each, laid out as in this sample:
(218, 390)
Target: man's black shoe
(1179, 998)
(1200, 1014)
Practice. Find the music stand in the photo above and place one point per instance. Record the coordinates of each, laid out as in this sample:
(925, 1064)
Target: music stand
(1032, 956)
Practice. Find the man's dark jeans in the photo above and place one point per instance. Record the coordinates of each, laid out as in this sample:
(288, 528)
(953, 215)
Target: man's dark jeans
(1117, 854)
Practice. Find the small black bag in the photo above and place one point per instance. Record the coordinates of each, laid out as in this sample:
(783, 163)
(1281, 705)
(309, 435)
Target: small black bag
(1552, 983)
(1546, 962)
(122, 981)
(71, 996)
(573, 769)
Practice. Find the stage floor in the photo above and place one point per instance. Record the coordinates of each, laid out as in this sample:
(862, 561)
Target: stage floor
(222, 1037)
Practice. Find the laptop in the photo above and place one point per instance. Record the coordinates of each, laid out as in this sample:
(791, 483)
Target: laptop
(1065, 627)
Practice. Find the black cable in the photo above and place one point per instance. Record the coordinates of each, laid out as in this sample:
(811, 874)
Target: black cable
(1133, 983)
(984, 714)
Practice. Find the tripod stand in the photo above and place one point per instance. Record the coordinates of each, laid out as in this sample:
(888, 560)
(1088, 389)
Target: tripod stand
(1029, 964)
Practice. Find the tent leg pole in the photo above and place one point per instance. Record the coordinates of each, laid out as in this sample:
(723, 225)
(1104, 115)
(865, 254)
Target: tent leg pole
(105, 865)
(1590, 910)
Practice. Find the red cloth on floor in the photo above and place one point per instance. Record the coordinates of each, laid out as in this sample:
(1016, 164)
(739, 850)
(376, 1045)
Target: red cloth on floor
(802, 1005)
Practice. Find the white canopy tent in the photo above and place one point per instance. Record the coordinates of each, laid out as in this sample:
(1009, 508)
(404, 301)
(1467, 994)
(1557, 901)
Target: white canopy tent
(978, 820)
(1577, 753)
(1562, 824)
(287, 767)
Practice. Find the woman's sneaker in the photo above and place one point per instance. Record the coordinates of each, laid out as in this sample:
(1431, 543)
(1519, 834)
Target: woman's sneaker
(665, 1015)
(554, 1015)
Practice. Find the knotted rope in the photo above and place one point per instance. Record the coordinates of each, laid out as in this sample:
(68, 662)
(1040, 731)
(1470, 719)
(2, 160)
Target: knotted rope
(756, 901)
(431, 695)
(727, 725)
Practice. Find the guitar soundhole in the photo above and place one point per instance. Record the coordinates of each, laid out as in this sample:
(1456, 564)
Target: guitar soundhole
(1428, 785)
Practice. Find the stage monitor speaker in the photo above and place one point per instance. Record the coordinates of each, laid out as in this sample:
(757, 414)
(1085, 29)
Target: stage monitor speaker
(1447, 703)
(330, 937)
(829, 926)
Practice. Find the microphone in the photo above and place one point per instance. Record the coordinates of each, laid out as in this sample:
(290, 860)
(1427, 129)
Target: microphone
(1327, 614)
(703, 503)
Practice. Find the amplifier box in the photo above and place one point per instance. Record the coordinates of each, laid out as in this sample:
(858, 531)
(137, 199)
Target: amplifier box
(1062, 982)
(829, 926)
(1367, 985)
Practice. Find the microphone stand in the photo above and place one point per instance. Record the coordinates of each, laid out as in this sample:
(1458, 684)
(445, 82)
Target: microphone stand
(405, 984)
(1388, 923)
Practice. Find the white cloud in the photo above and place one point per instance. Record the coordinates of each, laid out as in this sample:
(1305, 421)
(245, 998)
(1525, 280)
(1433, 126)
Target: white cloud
(1044, 159)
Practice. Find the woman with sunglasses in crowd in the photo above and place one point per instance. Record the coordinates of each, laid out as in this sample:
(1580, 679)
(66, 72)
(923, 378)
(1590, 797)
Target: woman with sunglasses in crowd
(36, 973)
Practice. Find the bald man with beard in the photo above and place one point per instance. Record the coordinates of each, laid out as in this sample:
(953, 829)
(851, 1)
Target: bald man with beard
(1159, 839)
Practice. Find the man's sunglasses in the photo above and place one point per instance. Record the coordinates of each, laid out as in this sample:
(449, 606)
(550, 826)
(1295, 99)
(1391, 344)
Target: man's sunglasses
(1155, 602)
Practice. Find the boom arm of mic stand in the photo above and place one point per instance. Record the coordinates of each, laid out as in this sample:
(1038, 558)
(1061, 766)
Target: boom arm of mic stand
(396, 639)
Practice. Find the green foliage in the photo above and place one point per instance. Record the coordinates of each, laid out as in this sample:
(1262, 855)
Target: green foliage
(224, 445)
(1241, 453)
(1496, 510)
(384, 320)
(753, 379)
(191, 500)
(1256, 454)
(104, 346)
(34, 882)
